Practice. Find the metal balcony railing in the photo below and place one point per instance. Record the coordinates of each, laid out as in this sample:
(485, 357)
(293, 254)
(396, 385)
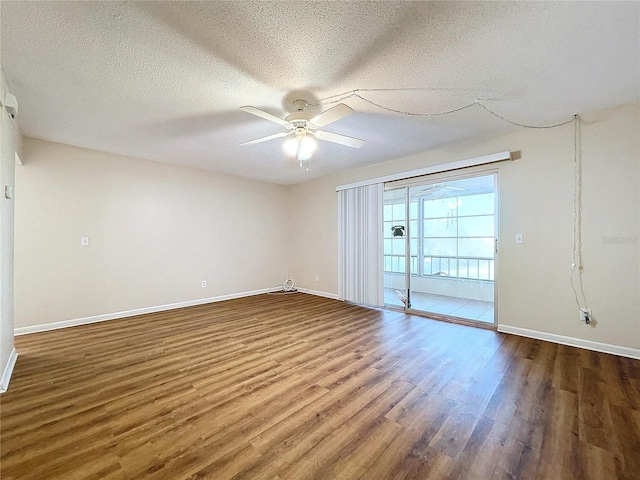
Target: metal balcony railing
(472, 268)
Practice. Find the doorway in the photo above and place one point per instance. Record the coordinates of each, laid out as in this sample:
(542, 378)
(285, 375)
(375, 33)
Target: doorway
(440, 247)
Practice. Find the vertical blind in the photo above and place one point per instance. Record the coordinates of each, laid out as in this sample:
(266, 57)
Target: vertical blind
(360, 248)
(360, 271)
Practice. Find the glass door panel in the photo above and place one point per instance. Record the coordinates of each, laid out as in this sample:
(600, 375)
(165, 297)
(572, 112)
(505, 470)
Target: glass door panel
(396, 227)
(453, 244)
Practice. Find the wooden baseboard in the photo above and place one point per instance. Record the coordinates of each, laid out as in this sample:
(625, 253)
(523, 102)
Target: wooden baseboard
(572, 342)
(319, 293)
(130, 313)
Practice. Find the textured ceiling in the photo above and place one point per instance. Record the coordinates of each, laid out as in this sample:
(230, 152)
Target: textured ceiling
(164, 80)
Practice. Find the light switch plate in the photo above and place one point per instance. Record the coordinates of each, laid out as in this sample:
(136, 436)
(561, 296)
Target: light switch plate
(519, 238)
(84, 241)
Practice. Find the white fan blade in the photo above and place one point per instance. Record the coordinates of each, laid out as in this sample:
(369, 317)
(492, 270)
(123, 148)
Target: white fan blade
(264, 139)
(265, 115)
(335, 113)
(341, 139)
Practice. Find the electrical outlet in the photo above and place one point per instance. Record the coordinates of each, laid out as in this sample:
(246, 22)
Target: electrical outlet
(585, 315)
(204, 284)
(316, 278)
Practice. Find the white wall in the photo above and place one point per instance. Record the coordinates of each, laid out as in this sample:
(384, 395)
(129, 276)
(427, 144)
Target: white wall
(8, 134)
(155, 231)
(536, 199)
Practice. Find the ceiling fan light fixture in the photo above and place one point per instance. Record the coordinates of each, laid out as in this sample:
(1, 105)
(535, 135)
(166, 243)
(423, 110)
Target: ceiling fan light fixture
(307, 146)
(290, 146)
(304, 128)
(301, 146)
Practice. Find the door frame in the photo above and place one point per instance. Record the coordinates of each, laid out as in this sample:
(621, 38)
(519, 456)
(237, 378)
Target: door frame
(440, 178)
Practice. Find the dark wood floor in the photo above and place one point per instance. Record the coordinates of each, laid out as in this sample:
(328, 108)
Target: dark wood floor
(297, 387)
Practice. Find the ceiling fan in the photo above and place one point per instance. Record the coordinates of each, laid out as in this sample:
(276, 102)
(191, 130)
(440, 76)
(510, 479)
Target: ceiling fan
(305, 127)
(439, 190)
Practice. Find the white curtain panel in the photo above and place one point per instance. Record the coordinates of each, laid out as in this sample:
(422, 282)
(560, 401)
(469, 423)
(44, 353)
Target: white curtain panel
(360, 269)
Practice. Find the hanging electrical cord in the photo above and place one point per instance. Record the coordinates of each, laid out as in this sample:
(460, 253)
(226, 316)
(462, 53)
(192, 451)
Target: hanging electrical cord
(522, 124)
(447, 112)
(354, 94)
(577, 265)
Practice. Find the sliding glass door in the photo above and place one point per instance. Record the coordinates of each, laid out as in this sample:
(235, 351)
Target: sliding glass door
(439, 247)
